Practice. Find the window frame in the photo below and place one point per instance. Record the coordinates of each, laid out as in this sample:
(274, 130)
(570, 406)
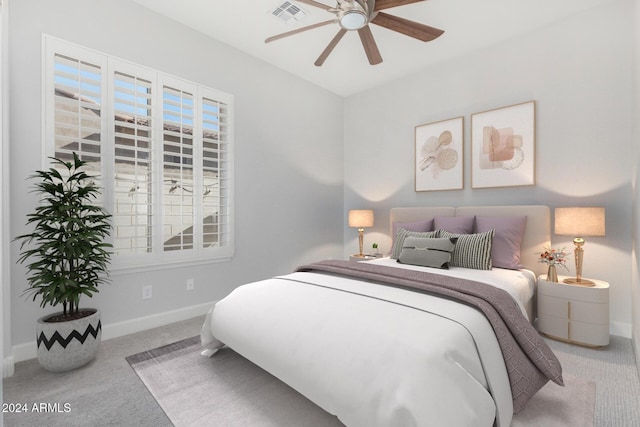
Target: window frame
(158, 257)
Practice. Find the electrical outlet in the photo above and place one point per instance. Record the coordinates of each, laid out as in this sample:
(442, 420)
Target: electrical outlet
(146, 292)
(190, 284)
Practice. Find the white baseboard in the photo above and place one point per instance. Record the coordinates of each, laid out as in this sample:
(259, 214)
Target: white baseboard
(620, 329)
(8, 367)
(636, 348)
(127, 327)
(28, 350)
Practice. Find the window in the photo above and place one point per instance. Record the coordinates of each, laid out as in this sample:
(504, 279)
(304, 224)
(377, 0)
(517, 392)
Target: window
(160, 147)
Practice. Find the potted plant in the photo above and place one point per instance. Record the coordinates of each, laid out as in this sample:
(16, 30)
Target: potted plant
(375, 249)
(67, 258)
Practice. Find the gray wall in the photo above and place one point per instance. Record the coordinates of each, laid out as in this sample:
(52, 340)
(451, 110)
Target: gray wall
(288, 153)
(5, 343)
(582, 84)
(635, 291)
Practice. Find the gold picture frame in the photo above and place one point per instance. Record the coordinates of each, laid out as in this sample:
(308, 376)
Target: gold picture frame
(503, 145)
(439, 155)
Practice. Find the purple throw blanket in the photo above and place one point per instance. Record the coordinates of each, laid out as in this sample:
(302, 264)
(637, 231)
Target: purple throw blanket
(529, 360)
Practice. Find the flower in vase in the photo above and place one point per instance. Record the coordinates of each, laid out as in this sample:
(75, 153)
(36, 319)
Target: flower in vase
(552, 256)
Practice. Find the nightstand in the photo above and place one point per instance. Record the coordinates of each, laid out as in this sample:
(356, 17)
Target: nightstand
(574, 313)
(359, 258)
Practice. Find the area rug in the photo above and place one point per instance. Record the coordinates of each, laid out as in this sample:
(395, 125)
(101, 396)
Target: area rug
(228, 390)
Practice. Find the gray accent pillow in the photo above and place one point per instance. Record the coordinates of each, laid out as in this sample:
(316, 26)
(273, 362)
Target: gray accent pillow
(401, 234)
(472, 250)
(427, 252)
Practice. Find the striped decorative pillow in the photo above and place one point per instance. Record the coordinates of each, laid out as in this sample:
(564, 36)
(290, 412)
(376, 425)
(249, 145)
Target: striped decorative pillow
(402, 233)
(472, 250)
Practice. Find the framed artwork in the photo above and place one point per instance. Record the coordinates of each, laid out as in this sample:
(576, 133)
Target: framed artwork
(439, 155)
(503, 147)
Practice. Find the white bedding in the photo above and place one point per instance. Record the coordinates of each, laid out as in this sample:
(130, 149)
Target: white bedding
(520, 284)
(373, 355)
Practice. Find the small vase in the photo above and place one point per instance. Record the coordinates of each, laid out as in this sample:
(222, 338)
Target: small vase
(552, 274)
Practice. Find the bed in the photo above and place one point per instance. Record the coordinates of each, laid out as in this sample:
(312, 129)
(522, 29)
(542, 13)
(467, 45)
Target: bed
(388, 342)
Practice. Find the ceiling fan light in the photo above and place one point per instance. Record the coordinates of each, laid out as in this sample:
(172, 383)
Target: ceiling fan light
(353, 20)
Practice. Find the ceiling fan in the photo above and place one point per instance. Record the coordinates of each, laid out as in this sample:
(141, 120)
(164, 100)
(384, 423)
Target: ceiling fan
(356, 15)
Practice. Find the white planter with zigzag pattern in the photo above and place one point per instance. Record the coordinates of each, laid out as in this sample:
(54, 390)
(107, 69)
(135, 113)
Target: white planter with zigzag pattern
(63, 346)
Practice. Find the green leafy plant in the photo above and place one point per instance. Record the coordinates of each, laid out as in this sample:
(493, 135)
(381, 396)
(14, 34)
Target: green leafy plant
(67, 250)
(375, 246)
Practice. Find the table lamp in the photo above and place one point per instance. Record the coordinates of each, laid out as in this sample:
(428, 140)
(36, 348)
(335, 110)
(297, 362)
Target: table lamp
(579, 222)
(360, 218)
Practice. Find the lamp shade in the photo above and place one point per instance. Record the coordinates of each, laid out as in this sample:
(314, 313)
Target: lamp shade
(361, 218)
(580, 221)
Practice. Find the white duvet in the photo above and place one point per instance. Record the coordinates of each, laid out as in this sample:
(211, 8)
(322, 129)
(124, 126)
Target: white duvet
(371, 355)
(520, 284)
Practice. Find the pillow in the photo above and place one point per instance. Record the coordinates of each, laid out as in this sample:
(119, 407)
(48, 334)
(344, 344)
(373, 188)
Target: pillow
(427, 252)
(454, 224)
(402, 234)
(426, 225)
(472, 250)
(505, 251)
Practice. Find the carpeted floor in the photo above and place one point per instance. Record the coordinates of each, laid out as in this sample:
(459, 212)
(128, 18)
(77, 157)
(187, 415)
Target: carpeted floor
(238, 393)
(226, 390)
(614, 371)
(107, 392)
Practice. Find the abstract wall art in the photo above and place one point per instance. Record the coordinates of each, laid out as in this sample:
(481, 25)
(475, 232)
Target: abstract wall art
(503, 147)
(439, 155)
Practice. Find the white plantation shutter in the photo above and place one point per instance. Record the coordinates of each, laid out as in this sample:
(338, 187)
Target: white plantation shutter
(179, 182)
(78, 111)
(133, 211)
(215, 173)
(78, 108)
(161, 146)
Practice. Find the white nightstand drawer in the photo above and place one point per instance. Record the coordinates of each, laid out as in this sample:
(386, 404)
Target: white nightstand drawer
(589, 333)
(589, 312)
(557, 307)
(598, 293)
(574, 313)
(575, 310)
(554, 326)
(576, 332)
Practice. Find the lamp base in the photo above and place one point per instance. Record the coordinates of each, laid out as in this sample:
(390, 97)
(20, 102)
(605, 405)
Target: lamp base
(576, 281)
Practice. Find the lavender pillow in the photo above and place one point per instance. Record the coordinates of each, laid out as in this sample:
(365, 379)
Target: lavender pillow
(505, 251)
(454, 224)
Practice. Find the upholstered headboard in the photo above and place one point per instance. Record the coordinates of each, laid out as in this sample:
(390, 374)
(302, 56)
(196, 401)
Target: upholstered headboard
(537, 234)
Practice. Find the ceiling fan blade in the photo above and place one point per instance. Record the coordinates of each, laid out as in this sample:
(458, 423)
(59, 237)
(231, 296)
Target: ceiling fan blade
(388, 4)
(314, 3)
(299, 30)
(332, 44)
(410, 28)
(370, 46)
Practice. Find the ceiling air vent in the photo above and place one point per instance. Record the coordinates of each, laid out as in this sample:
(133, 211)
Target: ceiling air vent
(288, 12)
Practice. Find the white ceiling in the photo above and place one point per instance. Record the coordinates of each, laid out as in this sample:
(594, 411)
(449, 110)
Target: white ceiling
(468, 25)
